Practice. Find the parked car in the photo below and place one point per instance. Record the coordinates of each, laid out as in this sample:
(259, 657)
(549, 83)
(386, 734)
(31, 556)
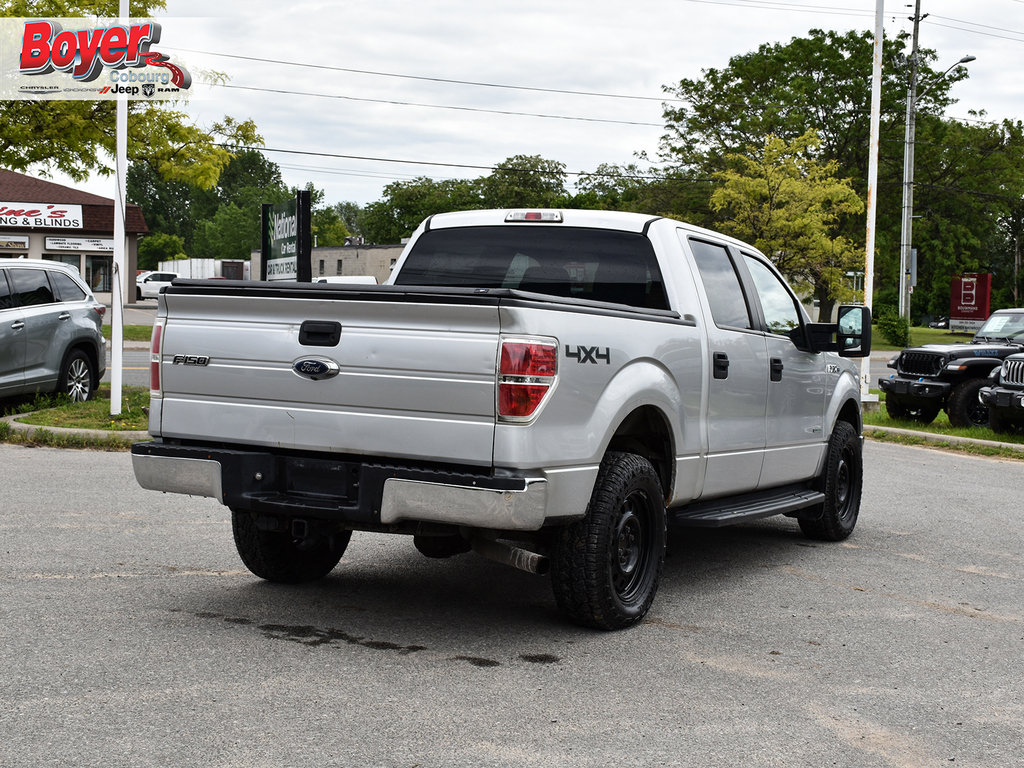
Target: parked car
(939, 322)
(934, 377)
(149, 284)
(1004, 396)
(51, 336)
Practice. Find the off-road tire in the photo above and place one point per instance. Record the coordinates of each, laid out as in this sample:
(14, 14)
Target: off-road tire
(998, 423)
(605, 568)
(902, 409)
(964, 407)
(277, 556)
(77, 377)
(841, 481)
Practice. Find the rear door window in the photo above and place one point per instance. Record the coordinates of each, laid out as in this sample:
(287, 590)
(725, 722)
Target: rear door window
(6, 299)
(66, 287)
(721, 284)
(595, 264)
(31, 287)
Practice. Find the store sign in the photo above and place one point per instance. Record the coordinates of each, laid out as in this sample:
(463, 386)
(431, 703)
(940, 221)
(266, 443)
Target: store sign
(40, 215)
(969, 301)
(286, 239)
(80, 244)
(14, 241)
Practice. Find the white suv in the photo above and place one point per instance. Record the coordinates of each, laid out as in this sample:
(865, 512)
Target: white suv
(149, 284)
(51, 337)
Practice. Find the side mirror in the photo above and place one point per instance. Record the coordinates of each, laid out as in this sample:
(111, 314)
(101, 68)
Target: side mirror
(850, 336)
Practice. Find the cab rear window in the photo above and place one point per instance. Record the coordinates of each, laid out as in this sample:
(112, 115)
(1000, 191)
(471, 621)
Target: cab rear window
(594, 264)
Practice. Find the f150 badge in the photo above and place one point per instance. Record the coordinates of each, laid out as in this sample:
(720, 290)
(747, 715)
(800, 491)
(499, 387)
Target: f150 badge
(316, 368)
(190, 360)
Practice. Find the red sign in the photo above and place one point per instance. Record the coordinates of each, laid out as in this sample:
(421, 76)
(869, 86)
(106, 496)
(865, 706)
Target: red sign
(969, 299)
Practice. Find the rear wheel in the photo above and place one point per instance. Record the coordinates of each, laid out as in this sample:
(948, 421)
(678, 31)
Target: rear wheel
(77, 377)
(841, 482)
(605, 568)
(965, 407)
(903, 409)
(278, 556)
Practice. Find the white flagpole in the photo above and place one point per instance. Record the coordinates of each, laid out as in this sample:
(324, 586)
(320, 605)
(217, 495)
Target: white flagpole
(119, 282)
(869, 249)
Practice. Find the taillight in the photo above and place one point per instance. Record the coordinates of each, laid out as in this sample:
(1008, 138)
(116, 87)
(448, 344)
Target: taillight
(154, 358)
(99, 309)
(526, 374)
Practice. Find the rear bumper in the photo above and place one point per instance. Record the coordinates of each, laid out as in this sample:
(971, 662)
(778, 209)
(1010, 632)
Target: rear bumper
(924, 389)
(356, 493)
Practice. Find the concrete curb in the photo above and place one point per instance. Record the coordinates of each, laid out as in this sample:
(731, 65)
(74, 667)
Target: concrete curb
(931, 437)
(96, 434)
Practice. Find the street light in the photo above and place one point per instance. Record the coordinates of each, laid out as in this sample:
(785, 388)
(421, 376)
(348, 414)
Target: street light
(906, 234)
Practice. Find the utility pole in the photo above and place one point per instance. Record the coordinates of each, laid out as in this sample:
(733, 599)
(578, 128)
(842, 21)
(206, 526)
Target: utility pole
(906, 236)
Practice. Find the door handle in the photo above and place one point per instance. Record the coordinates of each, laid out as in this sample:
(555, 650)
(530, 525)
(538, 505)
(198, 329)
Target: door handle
(720, 366)
(64, 316)
(775, 373)
(17, 325)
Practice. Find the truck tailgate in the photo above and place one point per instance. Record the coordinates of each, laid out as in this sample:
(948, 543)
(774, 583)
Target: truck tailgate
(416, 377)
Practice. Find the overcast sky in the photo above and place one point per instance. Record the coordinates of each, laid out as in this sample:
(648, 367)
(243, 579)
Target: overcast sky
(416, 47)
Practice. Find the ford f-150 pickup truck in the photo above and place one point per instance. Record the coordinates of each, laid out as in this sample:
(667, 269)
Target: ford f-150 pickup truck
(548, 388)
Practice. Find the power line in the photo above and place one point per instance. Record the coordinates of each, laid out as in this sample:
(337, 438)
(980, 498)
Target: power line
(435, 106)
(562, 91)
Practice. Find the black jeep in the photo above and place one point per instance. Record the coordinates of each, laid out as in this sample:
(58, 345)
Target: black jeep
(950, 376)
(1004, 395)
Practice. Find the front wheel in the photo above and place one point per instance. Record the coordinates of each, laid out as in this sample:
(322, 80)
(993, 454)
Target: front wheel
(605, 568)
(998, 422)
(902, 409)
(965, 407)
(841, 482)
(278, 556)
(77, 377)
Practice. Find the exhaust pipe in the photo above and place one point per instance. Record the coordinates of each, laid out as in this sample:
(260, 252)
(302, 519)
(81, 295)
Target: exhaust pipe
(506, 554)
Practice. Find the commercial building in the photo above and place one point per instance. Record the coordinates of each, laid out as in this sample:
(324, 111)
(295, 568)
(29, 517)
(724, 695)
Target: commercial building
(43, 220)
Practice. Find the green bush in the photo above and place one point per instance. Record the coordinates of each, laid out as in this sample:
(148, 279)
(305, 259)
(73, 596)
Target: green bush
(894, 328)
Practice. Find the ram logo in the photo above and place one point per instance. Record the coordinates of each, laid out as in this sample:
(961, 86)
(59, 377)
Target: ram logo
(316, 368)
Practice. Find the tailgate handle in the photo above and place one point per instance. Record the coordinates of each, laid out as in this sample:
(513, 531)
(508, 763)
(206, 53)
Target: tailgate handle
(319, 333)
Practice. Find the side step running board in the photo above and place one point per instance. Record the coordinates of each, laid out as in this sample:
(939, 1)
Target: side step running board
(736, 509)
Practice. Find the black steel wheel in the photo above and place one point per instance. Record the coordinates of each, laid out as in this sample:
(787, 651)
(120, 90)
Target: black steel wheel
(605, 568)
(280, 557)
(841, 482)
(965, 407)
(77, 377)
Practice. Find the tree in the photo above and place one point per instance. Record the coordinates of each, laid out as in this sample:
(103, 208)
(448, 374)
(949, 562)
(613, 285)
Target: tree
(407, 203)
(782, 200)
(78, 137)
(158, 247)
(819, 82)
(524, 181)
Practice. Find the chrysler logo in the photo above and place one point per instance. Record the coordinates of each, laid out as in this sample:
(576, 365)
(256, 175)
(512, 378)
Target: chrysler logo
(316, 368)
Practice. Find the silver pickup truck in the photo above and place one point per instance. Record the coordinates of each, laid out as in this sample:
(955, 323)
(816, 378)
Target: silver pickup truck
(547, 388)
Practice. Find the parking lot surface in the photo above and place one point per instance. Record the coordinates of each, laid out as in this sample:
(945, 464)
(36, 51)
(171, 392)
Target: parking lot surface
(131, 635)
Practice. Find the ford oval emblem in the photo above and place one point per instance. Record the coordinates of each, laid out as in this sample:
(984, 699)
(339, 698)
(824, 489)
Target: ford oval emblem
(316, 368)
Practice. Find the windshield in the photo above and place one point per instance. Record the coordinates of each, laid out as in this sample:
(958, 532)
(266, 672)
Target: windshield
(596, 264)
(1008, 326)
